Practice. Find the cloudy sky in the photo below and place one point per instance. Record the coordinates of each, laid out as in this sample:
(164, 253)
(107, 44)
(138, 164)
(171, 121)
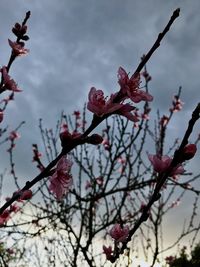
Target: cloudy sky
(76, 44)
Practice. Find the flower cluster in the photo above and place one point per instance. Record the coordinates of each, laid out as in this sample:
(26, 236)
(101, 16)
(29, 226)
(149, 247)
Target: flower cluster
(161, 164)
(118, 233)
(129, 89)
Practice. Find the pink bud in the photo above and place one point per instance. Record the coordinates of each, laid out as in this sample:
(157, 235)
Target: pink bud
(95, 139)
(189, 151)
(25, 195)
(108, 251)
(118, 233)
(4, 217)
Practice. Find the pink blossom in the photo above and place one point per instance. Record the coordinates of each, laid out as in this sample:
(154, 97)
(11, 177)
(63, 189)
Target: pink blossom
(161, 164)
(9, 83)
(26, 194)
(61, 180)
(108, 251)
(130, 87)
(118, 233)
(99, 105)
(4, 217)
(18, 49)
(125, 111)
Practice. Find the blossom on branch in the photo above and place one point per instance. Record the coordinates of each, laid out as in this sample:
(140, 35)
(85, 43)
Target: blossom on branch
(9, 83)
(4, 217)
(98, 103)
(108, 251)
(130, 87)
(61, 180)
(161, 164)
(119, 234)
(125, 111)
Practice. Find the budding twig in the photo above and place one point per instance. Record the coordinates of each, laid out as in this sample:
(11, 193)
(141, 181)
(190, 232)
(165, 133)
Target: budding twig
(96, 120)
(161, 181)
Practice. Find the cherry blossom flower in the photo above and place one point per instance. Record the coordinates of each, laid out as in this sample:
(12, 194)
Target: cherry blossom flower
(4, 217)
(61, 180)
(118, 233)
(130, 87)
(9, 83)
(98, 104)
(125, 111)
(108, 251)
(18, 49)
(161, 164)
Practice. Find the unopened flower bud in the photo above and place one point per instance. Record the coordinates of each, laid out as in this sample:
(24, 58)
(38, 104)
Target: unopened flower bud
(189, 151)
(95, 139)
(25, 195)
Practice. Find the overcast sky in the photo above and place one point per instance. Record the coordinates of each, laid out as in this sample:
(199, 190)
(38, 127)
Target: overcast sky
(76, 44)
